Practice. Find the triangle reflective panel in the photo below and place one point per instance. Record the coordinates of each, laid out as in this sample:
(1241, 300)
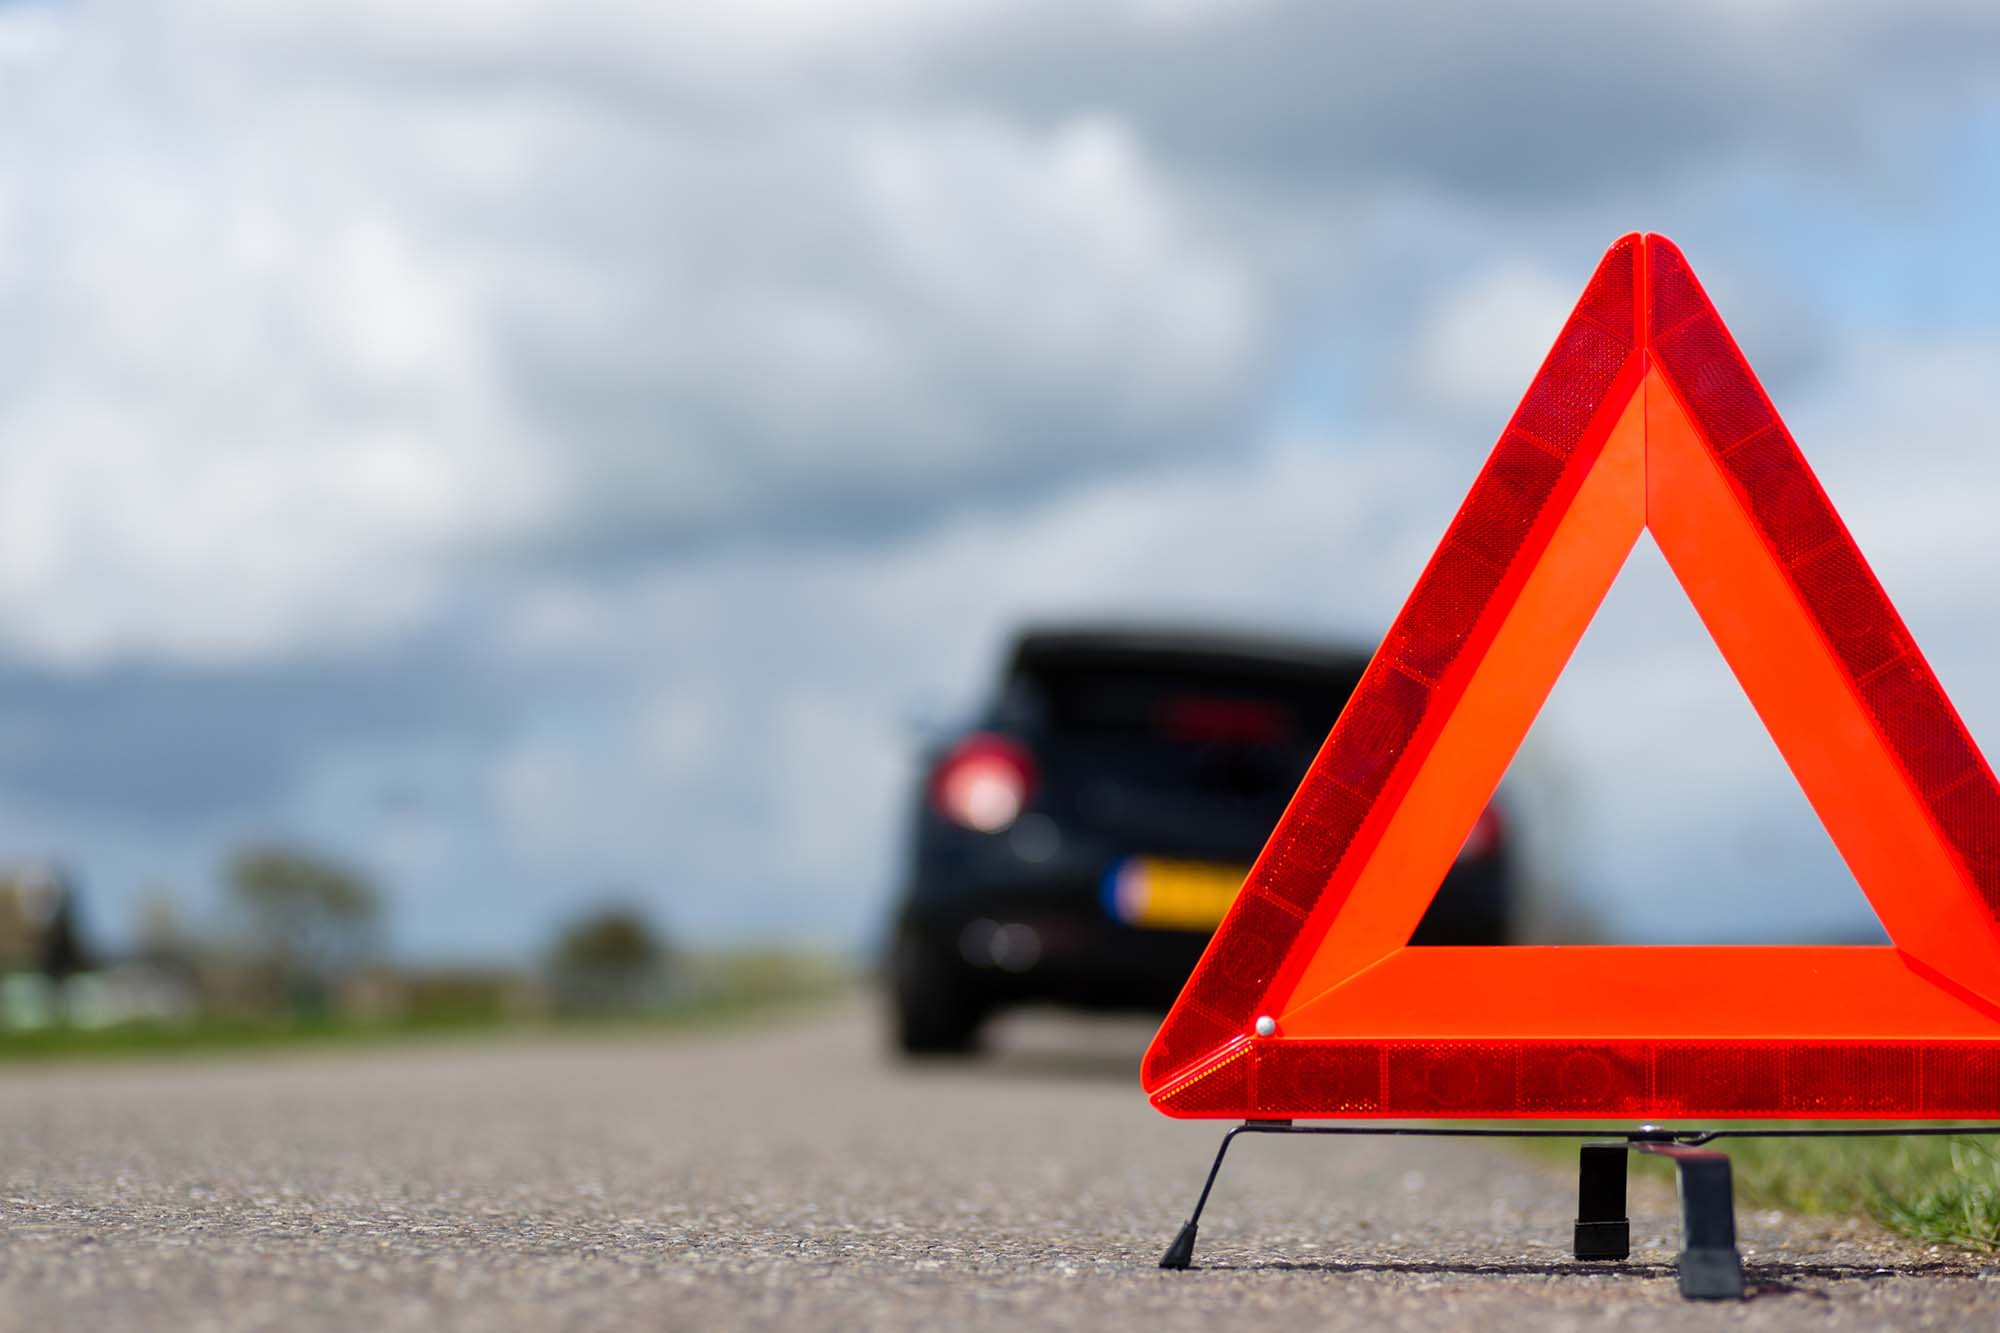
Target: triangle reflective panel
(1309, 1001)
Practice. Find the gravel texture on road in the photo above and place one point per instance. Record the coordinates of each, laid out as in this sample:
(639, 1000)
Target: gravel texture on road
(791, 1176)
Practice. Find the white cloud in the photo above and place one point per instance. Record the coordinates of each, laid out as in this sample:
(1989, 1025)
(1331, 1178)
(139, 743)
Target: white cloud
(1481, 348)
(292, 344)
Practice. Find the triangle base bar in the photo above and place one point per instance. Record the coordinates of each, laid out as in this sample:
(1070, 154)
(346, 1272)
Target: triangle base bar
(1642, 1079)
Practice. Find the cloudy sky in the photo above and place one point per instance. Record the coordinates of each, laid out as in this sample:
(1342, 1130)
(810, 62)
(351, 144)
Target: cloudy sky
(548, 448)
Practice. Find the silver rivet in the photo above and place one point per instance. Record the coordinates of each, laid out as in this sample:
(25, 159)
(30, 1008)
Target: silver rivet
(1266, 1025)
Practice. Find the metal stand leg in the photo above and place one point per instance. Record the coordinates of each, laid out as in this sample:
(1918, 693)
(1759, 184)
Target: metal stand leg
(1602, 1229)
(1711, 1269)
(1181, 1253)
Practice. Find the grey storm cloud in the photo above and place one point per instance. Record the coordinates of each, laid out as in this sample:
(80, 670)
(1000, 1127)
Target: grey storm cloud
(345, 296)
(1524, 104)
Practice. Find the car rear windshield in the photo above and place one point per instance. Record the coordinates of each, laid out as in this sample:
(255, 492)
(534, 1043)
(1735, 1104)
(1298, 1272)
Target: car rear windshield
(1248, 704)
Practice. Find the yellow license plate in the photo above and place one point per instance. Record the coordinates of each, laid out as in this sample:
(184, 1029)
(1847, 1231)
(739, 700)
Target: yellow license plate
(1172, 895)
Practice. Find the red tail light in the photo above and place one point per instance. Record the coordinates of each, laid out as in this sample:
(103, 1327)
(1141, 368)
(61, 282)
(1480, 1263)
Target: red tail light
(1484, 840)
(984, 783)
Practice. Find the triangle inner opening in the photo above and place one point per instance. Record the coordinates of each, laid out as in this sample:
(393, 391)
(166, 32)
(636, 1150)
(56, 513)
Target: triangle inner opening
(1648, 805)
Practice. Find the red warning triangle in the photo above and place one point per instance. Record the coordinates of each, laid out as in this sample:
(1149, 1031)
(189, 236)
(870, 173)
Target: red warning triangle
(1309, 1000)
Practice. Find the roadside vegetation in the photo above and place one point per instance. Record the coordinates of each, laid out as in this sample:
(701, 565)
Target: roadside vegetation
(297, 954)
(1934, 1189)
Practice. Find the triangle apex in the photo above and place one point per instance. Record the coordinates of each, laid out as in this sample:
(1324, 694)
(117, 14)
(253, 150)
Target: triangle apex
(1626, 243)
(1656, 241)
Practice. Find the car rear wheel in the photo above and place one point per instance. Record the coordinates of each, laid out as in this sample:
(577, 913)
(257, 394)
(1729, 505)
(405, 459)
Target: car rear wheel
(931, 1015)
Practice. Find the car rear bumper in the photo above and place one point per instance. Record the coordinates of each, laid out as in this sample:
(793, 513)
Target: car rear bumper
(1054, 939)
(1012, 949)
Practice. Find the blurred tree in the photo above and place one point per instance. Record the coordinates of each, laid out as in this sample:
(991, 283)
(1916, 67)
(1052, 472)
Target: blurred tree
(309, 919)
(609, 959)
(63, 953)
(157, 930)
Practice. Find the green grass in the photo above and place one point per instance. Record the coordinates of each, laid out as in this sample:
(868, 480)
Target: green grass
(219, 1035)
(1940, 1190)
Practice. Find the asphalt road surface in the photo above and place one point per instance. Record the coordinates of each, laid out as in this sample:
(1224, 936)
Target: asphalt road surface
(790, 1176)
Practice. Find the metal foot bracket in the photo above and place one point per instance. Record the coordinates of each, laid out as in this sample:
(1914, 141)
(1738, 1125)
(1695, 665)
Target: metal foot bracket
(1711, 1269)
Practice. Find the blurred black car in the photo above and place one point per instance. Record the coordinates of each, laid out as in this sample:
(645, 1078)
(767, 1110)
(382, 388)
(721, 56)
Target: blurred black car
(1080, 843)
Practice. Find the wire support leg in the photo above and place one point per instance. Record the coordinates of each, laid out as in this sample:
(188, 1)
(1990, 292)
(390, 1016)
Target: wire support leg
(1181, 1253)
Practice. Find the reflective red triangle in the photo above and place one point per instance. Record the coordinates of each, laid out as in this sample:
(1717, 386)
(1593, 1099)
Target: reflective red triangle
(1644, 416)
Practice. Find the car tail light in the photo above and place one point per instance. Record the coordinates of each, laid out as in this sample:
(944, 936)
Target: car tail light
(1484, 840)
(984, 783)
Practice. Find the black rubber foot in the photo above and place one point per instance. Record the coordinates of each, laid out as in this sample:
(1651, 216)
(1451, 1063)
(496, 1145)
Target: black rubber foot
(1181, 1253)
(1711, 1275)
(1604, 1240)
